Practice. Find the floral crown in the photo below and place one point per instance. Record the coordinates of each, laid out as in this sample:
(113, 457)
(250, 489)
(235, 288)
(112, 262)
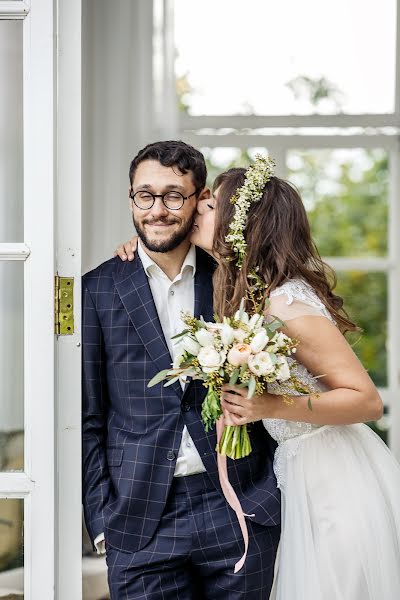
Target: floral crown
(256, 177)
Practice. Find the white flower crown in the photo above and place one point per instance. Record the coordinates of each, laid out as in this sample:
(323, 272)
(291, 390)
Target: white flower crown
(256, 177)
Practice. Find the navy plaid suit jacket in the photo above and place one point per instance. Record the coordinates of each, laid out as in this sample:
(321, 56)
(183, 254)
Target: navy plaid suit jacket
(132, 433)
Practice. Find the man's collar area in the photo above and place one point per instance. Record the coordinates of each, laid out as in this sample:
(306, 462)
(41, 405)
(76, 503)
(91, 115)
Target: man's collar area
(150, 267)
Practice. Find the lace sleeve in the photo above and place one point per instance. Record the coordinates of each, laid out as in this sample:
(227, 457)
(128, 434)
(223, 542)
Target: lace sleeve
(296, 298)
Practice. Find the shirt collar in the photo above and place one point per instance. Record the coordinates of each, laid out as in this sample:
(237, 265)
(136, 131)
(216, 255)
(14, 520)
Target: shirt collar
(151, 267)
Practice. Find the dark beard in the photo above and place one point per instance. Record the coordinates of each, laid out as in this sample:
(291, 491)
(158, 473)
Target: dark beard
(167, 245)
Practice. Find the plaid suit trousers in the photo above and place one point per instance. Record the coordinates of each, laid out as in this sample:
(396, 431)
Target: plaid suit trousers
(194, 550)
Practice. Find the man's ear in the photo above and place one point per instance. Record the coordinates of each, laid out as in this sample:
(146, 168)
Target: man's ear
(205, 194)
(130, 199)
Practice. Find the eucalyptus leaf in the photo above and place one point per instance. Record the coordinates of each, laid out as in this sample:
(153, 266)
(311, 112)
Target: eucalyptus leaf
(275, 325)
(234, 377)
(244, 384)
(171, 381)
(158, 378)
(252, 387)
(178, 335)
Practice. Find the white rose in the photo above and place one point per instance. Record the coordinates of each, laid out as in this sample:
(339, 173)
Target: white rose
(283, 369)
(256, 321)
(227, 334)
(210, 359)
(239, 335)
(261, 363)
(204, 337)
(190, 345)
(259, 341)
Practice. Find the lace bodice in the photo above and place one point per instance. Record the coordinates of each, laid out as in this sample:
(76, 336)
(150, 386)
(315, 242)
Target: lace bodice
(293, 299)
(296, 298)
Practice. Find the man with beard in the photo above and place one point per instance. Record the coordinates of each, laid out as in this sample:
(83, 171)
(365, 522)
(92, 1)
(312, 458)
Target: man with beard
(151, 492)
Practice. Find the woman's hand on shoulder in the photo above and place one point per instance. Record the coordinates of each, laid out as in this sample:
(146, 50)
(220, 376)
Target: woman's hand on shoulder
(127, 250)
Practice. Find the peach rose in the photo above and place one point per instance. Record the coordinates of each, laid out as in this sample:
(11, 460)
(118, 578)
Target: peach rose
(239, 354)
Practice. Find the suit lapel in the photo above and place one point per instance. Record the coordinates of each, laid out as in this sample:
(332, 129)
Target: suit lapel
(132, 285)
(203, 294)
(203, 291)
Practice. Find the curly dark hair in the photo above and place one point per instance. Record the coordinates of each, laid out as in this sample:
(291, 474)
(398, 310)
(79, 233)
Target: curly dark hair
(174, 154)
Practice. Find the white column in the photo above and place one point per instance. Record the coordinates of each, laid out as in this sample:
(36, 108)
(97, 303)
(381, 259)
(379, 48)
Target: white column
(117, 46)
(165, 97)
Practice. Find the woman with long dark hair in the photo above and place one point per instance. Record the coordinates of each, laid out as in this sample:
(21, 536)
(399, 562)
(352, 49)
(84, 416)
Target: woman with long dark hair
(340, 484)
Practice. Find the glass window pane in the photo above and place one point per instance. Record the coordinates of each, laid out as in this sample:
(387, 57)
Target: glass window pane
(285, 57)
(223, 158)
(11, 367)
(365, 300)
(11, 548)
(11, 133)
(346, 196)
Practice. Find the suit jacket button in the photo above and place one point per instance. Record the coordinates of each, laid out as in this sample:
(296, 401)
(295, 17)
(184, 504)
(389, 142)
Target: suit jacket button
(186, 406)
(170, 455)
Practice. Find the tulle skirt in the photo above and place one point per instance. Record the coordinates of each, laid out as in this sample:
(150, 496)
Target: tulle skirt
(340, 517)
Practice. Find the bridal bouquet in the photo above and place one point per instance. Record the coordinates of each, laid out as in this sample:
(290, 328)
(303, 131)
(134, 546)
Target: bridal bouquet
(244, 350)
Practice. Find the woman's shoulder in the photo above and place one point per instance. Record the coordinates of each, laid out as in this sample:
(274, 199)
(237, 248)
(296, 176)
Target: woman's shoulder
(298, 289)
(300, 298)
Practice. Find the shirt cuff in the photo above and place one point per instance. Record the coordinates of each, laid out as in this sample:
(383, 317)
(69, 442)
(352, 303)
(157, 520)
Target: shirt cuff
(100, 544)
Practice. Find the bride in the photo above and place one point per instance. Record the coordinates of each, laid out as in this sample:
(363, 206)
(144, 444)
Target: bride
(340, 484)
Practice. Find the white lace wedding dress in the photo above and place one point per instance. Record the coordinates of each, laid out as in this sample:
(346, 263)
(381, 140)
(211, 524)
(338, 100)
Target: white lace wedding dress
(340, 496)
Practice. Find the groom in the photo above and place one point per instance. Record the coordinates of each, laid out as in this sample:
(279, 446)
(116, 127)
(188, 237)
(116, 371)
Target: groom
(151, 491)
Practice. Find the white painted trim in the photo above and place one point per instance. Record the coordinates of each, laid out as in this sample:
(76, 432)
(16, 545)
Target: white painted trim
(397, 65)
(394, 302)
(38, 115)
(187, 122)
(14, 251)
(15, 485)
(367, 264)
(68, 583)
(13, 10)
(292, 141)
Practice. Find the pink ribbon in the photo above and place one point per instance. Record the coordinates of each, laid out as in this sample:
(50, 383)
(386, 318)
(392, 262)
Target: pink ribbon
(230, 494)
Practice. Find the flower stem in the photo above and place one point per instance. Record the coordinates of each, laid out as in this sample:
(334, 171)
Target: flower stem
(234, 442)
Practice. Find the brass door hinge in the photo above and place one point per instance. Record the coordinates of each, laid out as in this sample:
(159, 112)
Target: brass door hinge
(64, 305)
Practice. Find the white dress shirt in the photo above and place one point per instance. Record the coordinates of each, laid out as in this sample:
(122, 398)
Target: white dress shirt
(170, 298)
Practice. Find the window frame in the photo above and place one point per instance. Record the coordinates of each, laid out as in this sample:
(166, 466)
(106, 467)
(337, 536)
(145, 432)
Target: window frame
(286, 132)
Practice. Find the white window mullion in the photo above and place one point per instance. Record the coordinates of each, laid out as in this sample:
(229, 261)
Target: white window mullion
(195, 123)
(14, 251)
(13, 10)
(282, 141)
(367, 264)
(39, 155)
(394, 303)
(15, 485)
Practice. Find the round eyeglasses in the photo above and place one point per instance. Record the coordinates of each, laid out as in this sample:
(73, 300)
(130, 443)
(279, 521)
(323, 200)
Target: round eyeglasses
(171, 200)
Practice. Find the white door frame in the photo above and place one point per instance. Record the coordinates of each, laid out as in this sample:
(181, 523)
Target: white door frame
(68, 582)
(36, 484)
